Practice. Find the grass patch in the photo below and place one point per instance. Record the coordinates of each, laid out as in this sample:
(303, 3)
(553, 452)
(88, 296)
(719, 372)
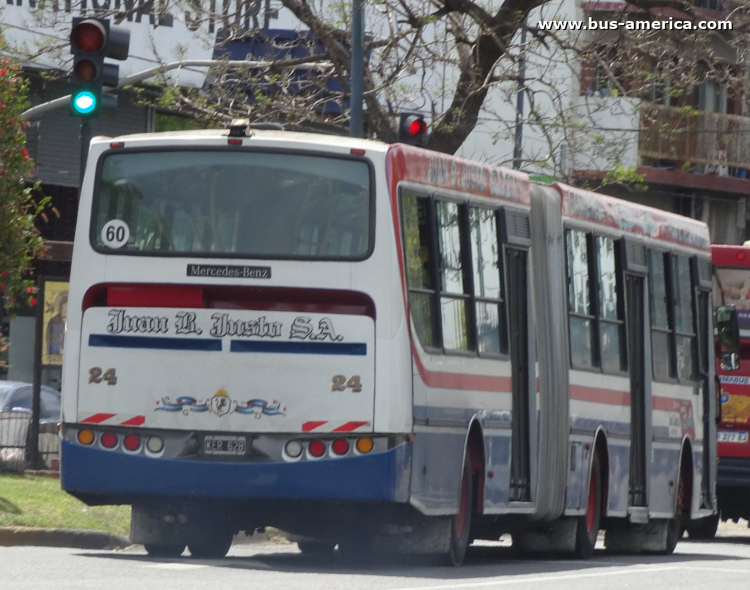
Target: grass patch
(38, 501)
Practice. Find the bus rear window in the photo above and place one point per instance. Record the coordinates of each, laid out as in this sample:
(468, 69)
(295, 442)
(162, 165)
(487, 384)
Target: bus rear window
(237, 203)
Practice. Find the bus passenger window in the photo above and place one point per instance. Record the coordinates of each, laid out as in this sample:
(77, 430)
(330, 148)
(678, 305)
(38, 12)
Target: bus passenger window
(415, 211)
(453, 300)
(661, 331)
(580, 314)
(684, 326)
(490, 307)
(611, 325)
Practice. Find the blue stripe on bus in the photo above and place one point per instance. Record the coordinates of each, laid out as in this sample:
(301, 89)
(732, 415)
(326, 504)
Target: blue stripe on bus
(341, 348)
(153, 342)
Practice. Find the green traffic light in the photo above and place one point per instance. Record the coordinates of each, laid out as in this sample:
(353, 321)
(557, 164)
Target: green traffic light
(84, 102)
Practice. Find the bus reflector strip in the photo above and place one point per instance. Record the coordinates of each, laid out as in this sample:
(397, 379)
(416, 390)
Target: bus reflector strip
(332, 348)
(134, 421)
(345, 427)
(153, 342)
(98, 418)
(349, 426)
(115, 419)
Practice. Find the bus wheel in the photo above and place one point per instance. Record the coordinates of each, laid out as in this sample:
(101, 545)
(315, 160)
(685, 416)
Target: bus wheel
(461, 522)
(211, 550)
(159, 550)
(316, 547)
(704, 529)
(588, 525)
(674, 524)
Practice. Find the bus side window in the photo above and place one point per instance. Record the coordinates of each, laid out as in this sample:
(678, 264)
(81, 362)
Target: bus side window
(415, 213)
(580, 309)
(610, 322)
(684, 325)
(492, 334)
(662, 351)
(453, 297)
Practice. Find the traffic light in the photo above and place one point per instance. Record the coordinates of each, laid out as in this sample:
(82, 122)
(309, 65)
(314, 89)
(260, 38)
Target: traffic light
(91, 40)
(412, 130)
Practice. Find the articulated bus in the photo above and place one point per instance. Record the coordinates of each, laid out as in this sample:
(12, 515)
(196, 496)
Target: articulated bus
(732, 287)
(381, 348)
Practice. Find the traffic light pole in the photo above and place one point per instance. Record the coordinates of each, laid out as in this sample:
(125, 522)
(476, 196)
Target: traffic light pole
(85, 141)
(357, 82)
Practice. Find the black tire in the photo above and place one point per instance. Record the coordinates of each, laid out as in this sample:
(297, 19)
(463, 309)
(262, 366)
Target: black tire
(316, 547)
(212, 550)
(704, 529)
(674, 524)
(588, 525)
(461, 522)
(159, 550)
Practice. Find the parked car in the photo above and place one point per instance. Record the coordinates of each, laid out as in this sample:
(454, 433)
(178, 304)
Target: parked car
(16, 396)
(15, 417)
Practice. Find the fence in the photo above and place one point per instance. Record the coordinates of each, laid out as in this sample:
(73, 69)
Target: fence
(15, 429)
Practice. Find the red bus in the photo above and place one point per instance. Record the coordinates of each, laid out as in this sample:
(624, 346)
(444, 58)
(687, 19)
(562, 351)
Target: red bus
(732, 287)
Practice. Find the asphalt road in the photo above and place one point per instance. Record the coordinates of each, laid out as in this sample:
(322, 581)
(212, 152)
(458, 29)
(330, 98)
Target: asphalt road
(724, 563)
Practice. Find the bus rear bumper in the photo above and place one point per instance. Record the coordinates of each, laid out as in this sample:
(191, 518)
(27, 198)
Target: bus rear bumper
(102, 476)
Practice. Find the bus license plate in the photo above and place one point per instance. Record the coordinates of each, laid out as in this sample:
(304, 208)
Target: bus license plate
(224, 445)
(731, 436)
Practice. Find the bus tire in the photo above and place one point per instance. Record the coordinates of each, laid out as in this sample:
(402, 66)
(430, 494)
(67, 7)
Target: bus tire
(216, 549)
(161, 550)
(588, 525)
(314, 547)
(460, 526)
(704, 529)
(674, 524)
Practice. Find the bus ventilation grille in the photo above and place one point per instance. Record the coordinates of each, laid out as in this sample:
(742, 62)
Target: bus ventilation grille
(517, 225)
(636, 256)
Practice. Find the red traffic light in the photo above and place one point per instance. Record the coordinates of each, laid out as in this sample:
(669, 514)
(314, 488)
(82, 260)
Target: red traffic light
(412, 129)
(416, 126)
(89, 35)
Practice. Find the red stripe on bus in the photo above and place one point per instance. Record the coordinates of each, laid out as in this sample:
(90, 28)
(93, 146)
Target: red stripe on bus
(349, 426)
(312, 425)
(98, 418)
(134, 421)
(600, 395)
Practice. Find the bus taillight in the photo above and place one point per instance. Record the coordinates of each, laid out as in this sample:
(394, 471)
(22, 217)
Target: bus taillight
(316, 449)
(340, 446)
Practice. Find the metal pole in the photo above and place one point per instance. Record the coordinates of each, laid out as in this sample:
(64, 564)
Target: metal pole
(518, 144)
(85, 142)
(357, 78)
(33, 439)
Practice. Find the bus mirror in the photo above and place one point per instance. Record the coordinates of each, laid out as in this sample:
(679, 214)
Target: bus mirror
(728, 330)
(730, 361)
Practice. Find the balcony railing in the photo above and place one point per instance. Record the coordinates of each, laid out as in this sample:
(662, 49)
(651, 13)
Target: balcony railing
(686, 138)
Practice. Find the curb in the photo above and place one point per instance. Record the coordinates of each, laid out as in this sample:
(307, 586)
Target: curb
(73, 538)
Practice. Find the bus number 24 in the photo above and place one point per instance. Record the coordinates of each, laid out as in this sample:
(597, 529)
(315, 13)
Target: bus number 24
(340, 383)
(96, 376)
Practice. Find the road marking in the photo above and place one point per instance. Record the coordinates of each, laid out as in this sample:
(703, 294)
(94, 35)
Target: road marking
(175, 566)
(533, 579)
(718, 569)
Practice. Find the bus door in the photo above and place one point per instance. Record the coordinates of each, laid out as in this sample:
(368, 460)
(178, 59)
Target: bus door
(704, 336)
(518, 313)
(635, 301)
